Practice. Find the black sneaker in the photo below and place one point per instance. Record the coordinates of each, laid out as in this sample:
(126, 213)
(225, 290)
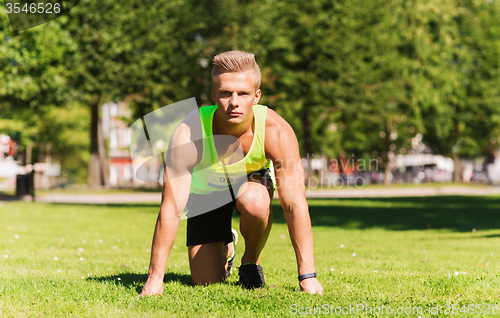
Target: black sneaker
(251, 276)
(230, 260)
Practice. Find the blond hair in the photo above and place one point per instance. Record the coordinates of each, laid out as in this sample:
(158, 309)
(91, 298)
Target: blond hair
(236, 61)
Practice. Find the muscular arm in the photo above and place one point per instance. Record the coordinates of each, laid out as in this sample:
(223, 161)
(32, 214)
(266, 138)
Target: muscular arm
(181, 157)
(282, 148)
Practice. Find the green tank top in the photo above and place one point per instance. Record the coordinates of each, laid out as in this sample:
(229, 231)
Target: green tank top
(210, 175)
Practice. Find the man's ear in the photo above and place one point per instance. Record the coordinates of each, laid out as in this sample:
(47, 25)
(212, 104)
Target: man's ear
(257, 97)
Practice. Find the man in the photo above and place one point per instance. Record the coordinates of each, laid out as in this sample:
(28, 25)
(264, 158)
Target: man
(267, 142)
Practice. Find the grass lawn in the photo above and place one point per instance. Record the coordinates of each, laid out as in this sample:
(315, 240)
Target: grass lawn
(91, 261)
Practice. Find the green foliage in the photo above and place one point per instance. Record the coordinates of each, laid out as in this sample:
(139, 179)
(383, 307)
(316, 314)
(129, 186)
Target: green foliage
(67, 129)
(379, 71)
(141, 54)
(33, 81)
(350, 76)
(32, 72)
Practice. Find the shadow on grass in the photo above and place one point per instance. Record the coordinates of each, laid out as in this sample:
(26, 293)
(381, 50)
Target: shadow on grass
(457, 213)
(131, 280)
(137, 281)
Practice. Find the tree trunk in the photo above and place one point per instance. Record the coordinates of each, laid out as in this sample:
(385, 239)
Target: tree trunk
(102, 155)
(457, 169)
(94, 173)
(388, 160)
(391, 163)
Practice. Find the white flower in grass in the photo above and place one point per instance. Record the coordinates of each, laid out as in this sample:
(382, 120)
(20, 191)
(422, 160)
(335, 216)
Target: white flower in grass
(52, 247)
(81, 258)
(55, 258)
(83, 277)
(84, 242)
(424, 251)
(126, 242)
(58, 270)
(491, 254)
(353, 254)
(332, 269)
(100, 241)
(63, 239)
(16, 236)
(456, 273)
(175, 247)
(119, 278)
(114, 247)
(6, 255)
(341, 245)
(80, 249)
(375, 271)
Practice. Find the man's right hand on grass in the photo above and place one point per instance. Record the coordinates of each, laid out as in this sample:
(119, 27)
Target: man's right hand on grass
(311, 286)
(153, 286)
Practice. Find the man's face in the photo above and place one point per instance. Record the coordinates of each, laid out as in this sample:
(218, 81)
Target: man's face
(235, 94)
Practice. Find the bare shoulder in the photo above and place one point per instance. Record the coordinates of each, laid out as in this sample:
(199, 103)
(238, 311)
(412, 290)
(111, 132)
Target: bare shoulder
(275, 124)
(185, 144)
(280, 136)
(187, 130)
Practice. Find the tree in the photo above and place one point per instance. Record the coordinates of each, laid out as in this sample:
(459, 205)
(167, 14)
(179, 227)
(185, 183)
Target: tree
(462, 120)
(34, 91)
(141, 54)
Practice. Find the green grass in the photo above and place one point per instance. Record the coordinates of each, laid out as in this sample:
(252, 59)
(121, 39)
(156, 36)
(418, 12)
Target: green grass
(406, 253)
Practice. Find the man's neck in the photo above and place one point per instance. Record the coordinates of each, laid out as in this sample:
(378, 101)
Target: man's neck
(221, 127)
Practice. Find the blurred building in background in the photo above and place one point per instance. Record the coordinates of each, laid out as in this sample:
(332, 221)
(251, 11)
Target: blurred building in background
(115, 130)
(493, 169)
(410, 168)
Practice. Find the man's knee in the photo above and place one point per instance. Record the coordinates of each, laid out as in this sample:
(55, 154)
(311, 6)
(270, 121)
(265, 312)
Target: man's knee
(205, 282)
(254, 204)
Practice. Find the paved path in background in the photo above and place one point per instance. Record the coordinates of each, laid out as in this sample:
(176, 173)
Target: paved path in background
(403, 192)
(333, 193)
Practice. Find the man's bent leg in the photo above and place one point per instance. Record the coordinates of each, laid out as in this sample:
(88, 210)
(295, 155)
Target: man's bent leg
(207, 263)
(254, 205)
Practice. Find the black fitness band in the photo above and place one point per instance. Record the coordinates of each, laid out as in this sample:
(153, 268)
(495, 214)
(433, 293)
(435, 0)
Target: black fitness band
(302, 277)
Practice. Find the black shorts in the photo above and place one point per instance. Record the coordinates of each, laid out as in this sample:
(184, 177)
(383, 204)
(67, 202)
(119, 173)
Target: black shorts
(214, 226)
